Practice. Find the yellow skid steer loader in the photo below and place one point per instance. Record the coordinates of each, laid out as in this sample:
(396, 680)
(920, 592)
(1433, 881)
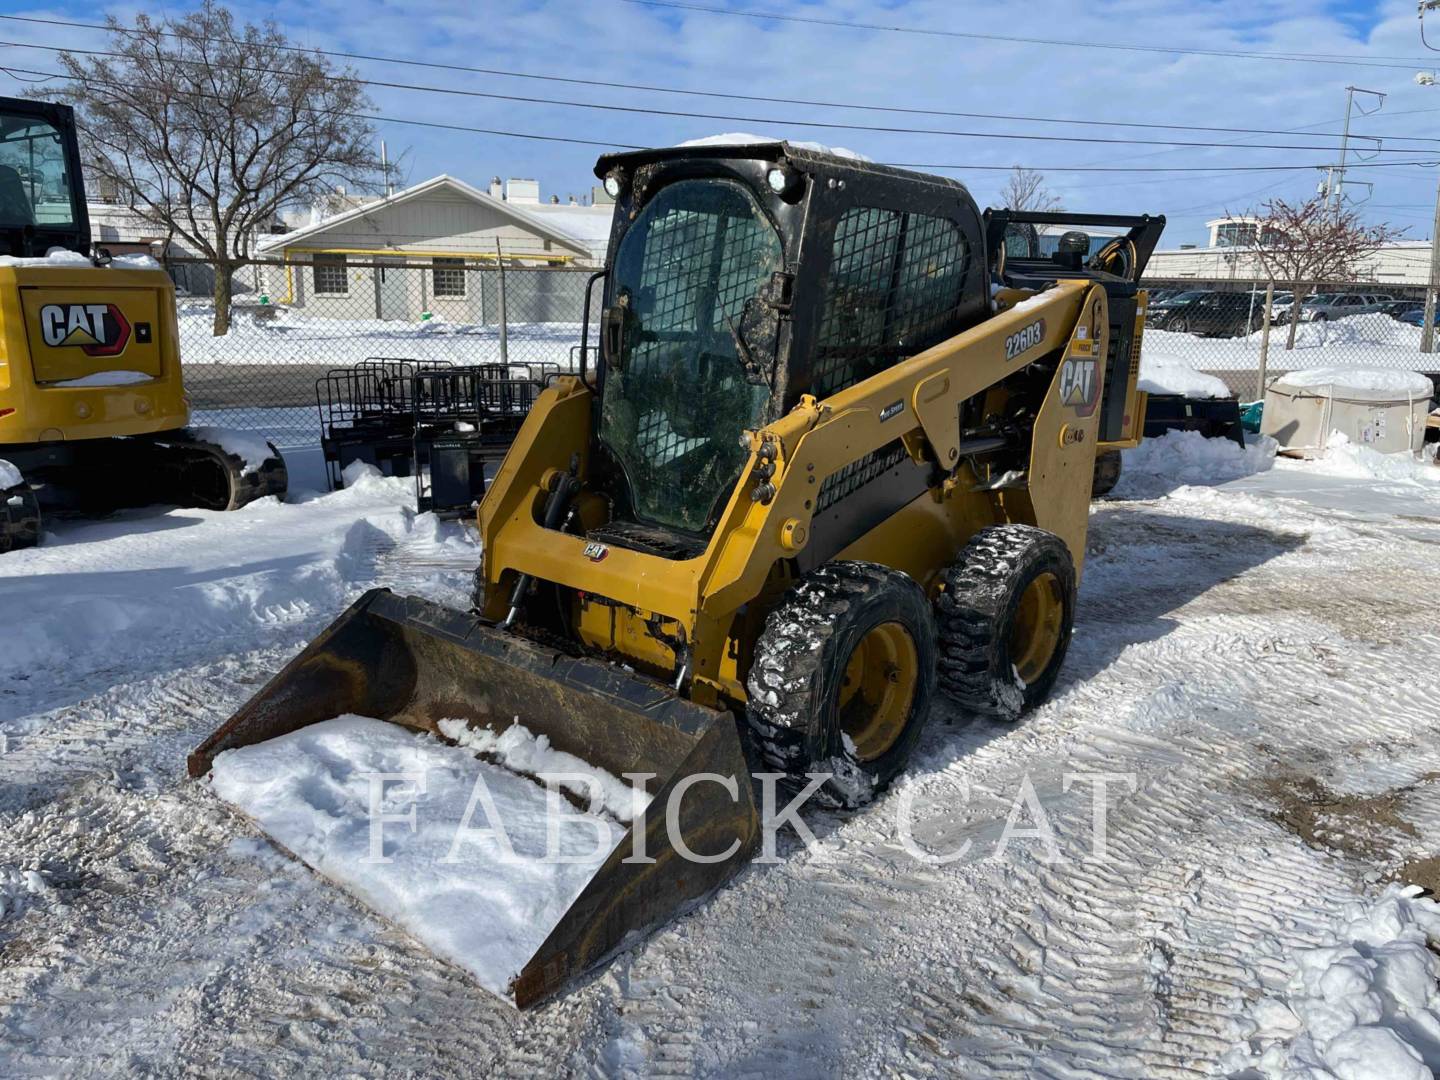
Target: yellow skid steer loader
(835, 458)
(93, 414)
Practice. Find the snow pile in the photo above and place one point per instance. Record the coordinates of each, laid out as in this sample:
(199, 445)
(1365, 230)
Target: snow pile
(249, 447)
(1344, 458)
(9, 476)
(522, 751)
(464, 865)
(18, 888)
(1374, 340)
(1405, 385)
(1187, 457)
(1161, 374)
(1363, 1006)
(107, 378)
(744, 138)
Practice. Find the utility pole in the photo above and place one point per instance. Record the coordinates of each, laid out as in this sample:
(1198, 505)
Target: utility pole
(1427, 325)
(1335, 176)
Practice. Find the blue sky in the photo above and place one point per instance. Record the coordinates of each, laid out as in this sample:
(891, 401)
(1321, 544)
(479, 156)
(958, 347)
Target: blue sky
(623, 42)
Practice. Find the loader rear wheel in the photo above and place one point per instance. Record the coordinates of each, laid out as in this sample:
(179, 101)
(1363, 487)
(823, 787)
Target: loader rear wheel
(842, 679)
(19, 518)
(1107, 473)
(1005, 618)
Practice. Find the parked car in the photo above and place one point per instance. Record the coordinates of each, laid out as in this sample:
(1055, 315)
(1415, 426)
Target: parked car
(1416, 317)
(1161, 314)
(1325, 306)
(1398, 309)
(1216, 314)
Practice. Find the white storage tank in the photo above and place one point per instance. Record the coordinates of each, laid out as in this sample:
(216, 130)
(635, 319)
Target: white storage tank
(1381, 408)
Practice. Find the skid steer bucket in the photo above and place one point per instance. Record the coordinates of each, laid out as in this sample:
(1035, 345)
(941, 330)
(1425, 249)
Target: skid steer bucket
(415, 663)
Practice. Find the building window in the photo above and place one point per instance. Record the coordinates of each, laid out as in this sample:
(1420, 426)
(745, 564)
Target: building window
(1235, 234)
(329, 275)
(448, 277)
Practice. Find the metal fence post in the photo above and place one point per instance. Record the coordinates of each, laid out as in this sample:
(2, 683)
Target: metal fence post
(1264, 342)
(504, 312)
(1427, 326)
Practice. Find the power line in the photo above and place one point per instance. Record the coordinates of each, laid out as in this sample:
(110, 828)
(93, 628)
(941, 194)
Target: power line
(645, 88)
(48, 75)
(815, 20)
(381, 118)
(828, 125)
(1158, 168)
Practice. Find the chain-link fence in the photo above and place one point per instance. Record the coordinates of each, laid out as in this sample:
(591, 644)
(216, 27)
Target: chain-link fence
(291, 324)
(1222, 329)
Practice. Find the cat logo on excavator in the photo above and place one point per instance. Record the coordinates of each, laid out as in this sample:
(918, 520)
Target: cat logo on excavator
(96, 329)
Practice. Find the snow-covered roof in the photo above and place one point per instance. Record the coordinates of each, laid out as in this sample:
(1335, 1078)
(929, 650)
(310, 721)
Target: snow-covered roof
(532, 221)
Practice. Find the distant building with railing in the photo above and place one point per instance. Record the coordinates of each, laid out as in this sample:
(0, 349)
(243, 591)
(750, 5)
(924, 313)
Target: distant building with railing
(1230, 256)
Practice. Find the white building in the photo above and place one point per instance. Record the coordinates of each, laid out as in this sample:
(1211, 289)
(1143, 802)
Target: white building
(432, 234)
(1228, 257)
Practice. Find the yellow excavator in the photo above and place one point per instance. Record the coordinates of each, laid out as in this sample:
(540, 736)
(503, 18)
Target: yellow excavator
(93, 414)
(834, 460)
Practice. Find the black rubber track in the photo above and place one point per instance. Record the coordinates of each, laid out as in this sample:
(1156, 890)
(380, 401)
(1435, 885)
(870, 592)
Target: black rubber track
(19, 518)
(976, 611)
(799, 664)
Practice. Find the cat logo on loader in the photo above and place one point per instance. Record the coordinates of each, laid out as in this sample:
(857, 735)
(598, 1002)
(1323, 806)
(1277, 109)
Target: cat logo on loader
(97, 329)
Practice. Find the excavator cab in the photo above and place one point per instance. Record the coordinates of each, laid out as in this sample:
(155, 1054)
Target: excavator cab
(93, 414)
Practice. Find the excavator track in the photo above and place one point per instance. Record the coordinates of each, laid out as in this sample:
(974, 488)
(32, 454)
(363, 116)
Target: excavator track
(19, 518)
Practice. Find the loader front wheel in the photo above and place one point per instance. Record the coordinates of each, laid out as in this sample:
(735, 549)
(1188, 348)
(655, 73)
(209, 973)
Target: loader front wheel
(842, 679)
(1005, 618)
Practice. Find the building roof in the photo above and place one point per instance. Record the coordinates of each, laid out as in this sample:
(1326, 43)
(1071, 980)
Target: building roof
(534, 222)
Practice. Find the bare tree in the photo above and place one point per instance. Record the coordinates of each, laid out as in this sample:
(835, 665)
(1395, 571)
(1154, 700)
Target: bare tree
(1308, 244)
(1025, 190)
(208, 129)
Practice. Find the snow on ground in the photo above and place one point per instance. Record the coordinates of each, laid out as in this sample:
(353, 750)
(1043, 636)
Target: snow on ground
(487, 903)
(291, 337)
(1187, 457)
(1364, 1004)
(1253, 667)
(1372, 341)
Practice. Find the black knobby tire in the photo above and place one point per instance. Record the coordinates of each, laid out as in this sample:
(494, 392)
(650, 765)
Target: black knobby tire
(1107, 473)
(834, 687)
(989, 627)
(19, 518)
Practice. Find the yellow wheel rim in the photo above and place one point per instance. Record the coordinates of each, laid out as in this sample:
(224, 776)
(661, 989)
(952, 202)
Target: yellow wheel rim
(1035, 634)
(878, 689)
